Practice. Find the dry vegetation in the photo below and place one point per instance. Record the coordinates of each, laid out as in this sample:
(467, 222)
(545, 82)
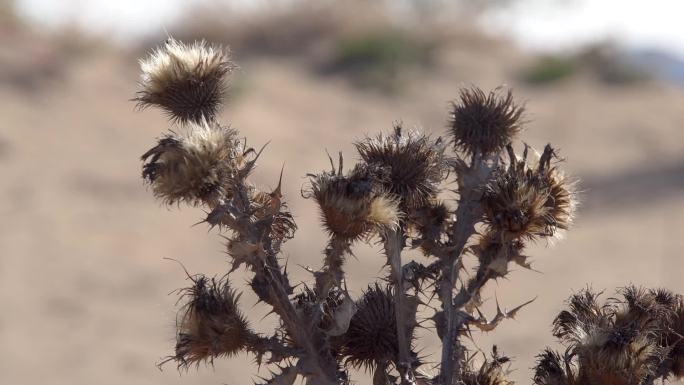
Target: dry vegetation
(392, 196)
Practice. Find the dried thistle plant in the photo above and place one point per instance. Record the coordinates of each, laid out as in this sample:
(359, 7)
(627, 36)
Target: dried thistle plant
(394, 195)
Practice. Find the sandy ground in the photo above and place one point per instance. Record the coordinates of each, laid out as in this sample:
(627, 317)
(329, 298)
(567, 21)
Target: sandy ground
(84, 288)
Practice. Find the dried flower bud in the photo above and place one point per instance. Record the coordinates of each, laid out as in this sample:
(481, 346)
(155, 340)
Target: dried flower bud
(664, 311)
(554, 369)
(308, 304)
(430, 222)
(352, 206)
(409, 165)
(527, 202)
(372, 335)
(484, 123)
(210, 323)
(196, 167)
(491, 372)
(186, 81)
(270, 208)
(621, 342)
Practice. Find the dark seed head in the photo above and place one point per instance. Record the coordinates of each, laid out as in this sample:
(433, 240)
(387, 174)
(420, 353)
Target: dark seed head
(484, 123)
(409, 165)
(210, 324)
(371, 338)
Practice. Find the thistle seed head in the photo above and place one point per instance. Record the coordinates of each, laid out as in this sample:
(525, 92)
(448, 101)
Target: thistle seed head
(210, 324)
(484, 123)
(409, 165)
(196, 167)
(187, 81)
(525, 202)
(352, 206)
(371, 338)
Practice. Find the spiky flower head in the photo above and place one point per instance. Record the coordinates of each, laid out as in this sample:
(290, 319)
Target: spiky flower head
(353, 206)
(210, 324)
(197, 166)
(185, 80)
(524, 202)
(484, 123)
(408, 164)
(371, 338)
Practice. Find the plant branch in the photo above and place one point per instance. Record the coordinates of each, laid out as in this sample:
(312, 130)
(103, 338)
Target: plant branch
(468, 214)
(394, 243)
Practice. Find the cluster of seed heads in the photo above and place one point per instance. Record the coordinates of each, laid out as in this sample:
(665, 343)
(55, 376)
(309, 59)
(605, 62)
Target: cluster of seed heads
(396, 196)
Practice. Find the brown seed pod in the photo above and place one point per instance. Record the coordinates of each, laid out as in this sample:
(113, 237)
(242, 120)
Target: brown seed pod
(555, 369)
(523, 202)
(617, 343)
(270, 208)
(210, 324)
(352, 206)
(371, 338)
(409, 165)
(186, 81)
(196, 167)
(430, 222)
(664, 311)
(484, 123)
(491, 372)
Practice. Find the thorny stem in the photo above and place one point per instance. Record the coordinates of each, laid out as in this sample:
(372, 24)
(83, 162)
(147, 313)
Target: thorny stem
(394, 243)
(468, 215)
(320, 369)
(452, 354)
(332, 274)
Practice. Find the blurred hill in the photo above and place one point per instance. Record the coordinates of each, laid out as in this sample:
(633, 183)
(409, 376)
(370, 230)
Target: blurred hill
(84, 285)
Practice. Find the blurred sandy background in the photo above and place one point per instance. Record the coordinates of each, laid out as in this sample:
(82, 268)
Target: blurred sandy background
(83, 286)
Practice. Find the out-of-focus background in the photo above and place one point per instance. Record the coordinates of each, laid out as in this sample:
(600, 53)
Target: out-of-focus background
(84, 286)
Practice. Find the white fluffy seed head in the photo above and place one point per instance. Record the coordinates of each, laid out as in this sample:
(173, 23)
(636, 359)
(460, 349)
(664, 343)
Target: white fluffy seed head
(186, 80)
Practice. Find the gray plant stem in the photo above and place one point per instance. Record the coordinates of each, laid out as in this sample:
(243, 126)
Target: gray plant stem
(332, 273)
(468, 214)
(451, 347)
(394, 243)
